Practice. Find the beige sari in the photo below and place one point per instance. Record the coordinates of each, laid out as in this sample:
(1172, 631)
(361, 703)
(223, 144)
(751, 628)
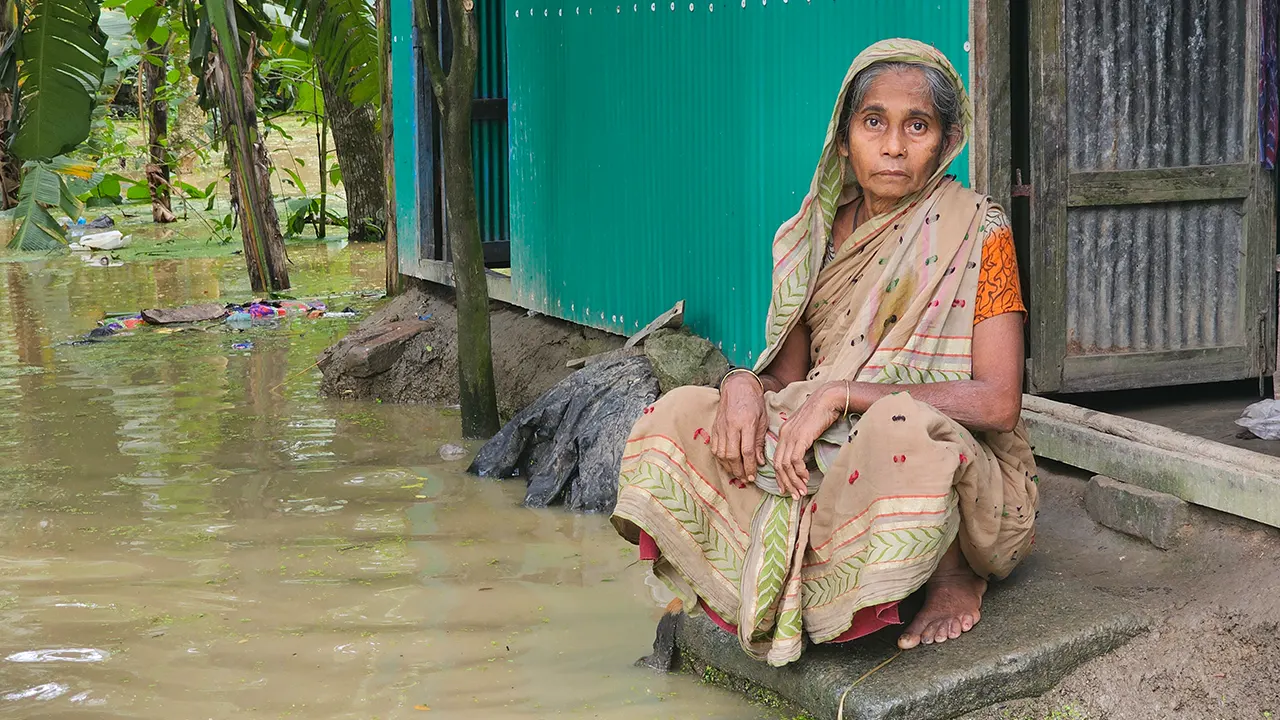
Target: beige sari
(889, 491)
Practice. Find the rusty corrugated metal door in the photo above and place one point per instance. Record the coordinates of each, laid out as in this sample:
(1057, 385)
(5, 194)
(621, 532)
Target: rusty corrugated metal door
(1154, 224)
(656, 147)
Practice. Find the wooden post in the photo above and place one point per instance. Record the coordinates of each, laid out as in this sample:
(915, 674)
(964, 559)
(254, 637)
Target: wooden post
(395, 282)
(991, 153)
(1048, 177)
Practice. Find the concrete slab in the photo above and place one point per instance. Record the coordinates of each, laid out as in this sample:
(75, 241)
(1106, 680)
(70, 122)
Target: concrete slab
(1035, 629)
(1133, 510)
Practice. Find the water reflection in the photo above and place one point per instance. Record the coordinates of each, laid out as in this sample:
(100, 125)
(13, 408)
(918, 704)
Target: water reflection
(188, 530)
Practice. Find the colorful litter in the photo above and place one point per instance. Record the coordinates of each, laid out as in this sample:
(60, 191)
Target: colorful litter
(238, 317)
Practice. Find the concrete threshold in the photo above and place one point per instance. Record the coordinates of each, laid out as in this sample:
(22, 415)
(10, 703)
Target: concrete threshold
(1035, 629)
(1225, 478)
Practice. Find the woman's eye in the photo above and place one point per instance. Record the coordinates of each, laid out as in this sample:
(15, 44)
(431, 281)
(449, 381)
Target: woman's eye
(873, 122)
(917, 126)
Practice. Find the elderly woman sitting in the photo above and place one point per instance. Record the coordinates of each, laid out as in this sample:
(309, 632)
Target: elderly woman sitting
(877, 448)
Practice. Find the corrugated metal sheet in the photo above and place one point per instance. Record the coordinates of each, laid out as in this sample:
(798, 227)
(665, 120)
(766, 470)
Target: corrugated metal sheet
(489, 137)
(1154, 277)
(655, 148)
(1155, 84)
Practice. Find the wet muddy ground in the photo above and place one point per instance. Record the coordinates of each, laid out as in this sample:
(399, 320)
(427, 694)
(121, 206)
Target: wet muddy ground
(187, 530)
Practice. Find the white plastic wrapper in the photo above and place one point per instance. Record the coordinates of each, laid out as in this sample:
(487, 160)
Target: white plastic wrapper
(1262, 419)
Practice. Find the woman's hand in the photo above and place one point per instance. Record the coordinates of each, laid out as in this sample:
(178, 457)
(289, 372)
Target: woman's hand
(737, 437)
(800, 432)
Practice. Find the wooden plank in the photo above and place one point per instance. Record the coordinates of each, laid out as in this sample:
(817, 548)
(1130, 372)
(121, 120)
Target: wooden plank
(1122, 371)
(441, 273)
(1156, 436)
(394, 281)
(1260, 216)
(618, 354)
(672, 318)
(1048, 259)
(991, 152)
(1161, 459)
(1159, 185)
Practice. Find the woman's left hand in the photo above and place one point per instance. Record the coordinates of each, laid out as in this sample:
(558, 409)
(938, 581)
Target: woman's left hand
(800, 432)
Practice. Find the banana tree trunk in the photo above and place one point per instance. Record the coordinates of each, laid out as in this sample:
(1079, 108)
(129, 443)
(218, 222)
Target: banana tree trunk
(10, 166)
(264, 252)
(156, 106)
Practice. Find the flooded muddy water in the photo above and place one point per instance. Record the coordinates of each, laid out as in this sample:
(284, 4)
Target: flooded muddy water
(187, 530)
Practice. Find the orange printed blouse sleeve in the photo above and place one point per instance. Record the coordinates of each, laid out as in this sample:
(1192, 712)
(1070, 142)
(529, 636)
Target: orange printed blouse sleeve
(999, 289)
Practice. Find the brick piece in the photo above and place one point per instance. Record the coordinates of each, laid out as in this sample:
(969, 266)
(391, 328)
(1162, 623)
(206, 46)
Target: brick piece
(1133, 510)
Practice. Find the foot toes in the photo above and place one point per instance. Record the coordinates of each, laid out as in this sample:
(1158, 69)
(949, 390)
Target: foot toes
(966, 623)
(908, 640)
(954, 629)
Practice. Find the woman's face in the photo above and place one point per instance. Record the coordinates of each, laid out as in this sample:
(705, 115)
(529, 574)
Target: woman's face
(895, 138)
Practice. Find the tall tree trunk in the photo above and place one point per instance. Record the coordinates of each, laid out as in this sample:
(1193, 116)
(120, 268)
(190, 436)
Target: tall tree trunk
(475, 343)
(395, 282)
(453, 92)
(156, 106)
(264, 253)
(355, 137)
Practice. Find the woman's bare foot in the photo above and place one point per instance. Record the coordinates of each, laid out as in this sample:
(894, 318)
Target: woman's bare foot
(952, 605)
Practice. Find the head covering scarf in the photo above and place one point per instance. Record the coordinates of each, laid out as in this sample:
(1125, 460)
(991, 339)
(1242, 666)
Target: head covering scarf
(801, 242)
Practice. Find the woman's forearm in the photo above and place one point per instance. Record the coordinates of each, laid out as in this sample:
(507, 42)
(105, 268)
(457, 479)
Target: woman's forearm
(975, 404)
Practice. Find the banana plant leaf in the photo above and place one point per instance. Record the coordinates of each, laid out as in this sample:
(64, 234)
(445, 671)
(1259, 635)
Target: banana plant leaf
(41, 189)
(63, 56)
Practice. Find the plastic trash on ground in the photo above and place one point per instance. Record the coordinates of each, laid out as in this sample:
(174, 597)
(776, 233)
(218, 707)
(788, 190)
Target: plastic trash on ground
(109, 240)
(1262, 419)
(240, 320)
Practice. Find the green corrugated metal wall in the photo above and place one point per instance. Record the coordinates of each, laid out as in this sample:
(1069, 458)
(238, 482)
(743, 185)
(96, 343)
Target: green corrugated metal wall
(655, 148)
(489, 137)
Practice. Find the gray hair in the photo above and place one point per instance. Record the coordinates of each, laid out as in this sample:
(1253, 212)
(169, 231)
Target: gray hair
(946, 101)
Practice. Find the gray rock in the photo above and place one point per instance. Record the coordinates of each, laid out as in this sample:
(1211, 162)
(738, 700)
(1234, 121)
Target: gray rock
(1133, 510)
(1031, 635)
(681, 358)
(569, 443)
(451, 452)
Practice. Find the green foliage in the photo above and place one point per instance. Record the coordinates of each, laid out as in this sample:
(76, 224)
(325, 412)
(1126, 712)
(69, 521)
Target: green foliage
(42, 188)
(202, 17)
(304, 211)
(345, 38)
(61, 58)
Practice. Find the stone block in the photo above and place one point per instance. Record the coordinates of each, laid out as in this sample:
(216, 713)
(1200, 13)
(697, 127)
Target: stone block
(1034, 631)
(1133, 510)
(681, 358)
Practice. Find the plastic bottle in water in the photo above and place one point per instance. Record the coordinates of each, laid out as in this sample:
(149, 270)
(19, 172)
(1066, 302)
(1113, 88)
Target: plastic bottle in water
(77, 230)
(240, 320)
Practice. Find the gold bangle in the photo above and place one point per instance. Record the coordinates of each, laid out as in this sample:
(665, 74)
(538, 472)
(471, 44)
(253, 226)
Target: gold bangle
(846, 398)
(750, 372)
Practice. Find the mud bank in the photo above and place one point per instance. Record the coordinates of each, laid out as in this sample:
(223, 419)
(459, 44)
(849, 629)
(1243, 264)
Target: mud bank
(420, 364)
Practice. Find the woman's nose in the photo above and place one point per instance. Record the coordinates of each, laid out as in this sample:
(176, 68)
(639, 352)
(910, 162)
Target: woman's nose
(894, 144)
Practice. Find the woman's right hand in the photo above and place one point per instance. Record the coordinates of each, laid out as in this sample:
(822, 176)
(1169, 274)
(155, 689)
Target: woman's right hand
(737, 437)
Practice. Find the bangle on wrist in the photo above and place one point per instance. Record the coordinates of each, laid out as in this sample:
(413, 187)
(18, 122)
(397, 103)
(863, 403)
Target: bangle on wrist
(742, 371)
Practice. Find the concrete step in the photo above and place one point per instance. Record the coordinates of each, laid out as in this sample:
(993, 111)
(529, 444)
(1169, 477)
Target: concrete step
(1035, 629)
